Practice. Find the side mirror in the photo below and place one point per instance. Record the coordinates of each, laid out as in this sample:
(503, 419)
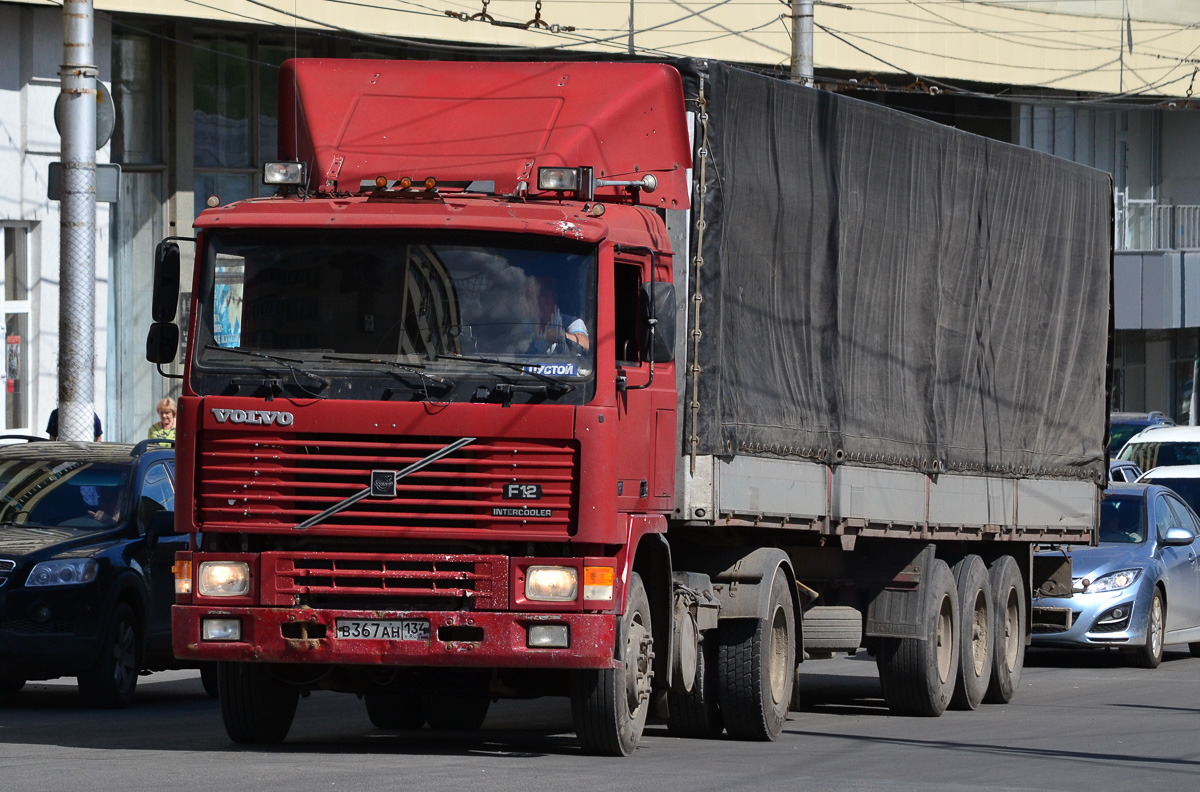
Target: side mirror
(1178, 537)
(166, 282)
(658, 302)
(162, 343)
(162, 523)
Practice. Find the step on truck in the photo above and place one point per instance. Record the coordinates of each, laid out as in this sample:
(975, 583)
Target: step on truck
(634, 383)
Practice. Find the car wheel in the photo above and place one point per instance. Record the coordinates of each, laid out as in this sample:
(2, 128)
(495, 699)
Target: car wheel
(111, 680)
(394, 711)
(1149, 655)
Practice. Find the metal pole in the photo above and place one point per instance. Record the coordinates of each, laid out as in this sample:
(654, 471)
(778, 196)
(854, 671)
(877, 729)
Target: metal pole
(802, 41)
(1192, 406)
(77, 238)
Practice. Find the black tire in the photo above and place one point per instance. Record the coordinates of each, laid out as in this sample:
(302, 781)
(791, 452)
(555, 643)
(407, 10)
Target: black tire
(696, 713)
(757, 667)
(1194, 648)
(256, 706)
(832, 628)
(395, 711)
(1149, 654)
(609, 705)
(208, 678)
(976, 632)
(917, 676)
(1008, 641)
(455, 713)
(112, 679)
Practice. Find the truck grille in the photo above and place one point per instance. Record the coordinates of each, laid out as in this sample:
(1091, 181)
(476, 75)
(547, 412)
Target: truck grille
(251, 482)
(388, 582)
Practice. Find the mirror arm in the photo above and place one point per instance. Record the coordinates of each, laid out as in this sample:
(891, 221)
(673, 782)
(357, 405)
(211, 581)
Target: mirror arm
(167, 374)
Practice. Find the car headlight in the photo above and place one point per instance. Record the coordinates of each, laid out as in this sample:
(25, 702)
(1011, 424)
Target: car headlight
(224, 579)
(63, 572)
(1114, 581)
(551, 583)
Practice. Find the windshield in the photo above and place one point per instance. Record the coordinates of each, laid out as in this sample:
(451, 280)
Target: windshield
(1121, 520)
(54, 494)
(1152, 455)
(416, 312)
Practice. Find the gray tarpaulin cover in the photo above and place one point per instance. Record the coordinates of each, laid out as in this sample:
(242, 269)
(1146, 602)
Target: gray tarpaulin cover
(906, 294)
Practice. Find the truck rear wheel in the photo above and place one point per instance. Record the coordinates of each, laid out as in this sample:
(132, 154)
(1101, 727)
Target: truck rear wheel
(1008, 642)
(447, 712)
(609, 705)
(696, 713)
(394, 711)
(256, 706)
(917, 676)
(975, 656)
(756, 667)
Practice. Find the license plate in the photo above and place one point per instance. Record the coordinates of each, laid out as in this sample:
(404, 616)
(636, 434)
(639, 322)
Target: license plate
(384, 629)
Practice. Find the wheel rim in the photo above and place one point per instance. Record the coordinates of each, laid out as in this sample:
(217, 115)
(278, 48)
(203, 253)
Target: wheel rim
(778, 672)
(945, 639)
(1156, 625)
(979, 635)
(638, 654)
(124, 656)
(1012, 616)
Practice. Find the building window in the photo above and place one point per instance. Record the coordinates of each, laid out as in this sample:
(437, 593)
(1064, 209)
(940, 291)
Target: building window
(1129, 371)
(1183, 360)
(14, 395)
(236, 111)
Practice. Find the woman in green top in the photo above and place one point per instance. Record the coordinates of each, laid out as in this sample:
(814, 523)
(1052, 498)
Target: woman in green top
(165, 428)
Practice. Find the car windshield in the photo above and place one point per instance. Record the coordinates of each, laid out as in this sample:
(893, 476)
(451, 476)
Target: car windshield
(1122, 520)
(317, 309)
(1155, 454)
(63, 494)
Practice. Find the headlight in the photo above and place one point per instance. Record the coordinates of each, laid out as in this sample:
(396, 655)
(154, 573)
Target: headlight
(1114, 581)
(551, 584)
(63, 572)
(224, 579)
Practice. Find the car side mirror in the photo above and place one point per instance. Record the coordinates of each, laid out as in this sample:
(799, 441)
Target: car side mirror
(162, 523)
(1177, 536)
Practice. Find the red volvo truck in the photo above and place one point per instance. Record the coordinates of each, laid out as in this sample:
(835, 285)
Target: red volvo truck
(634, 383)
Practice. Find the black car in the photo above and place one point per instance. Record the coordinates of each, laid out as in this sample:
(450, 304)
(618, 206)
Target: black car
(86, 553)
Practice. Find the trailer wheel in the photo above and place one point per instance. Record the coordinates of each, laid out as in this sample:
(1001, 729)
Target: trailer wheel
(975, 654)
(696, 713)
(917, 676)
(609, 705)
(447, 712)
(1008, 642)
(257, 707)
(394, 711)
(757, 664)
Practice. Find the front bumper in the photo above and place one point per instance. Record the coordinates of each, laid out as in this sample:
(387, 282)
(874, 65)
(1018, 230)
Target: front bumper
(48, 633)
(1087, 610)
(285, 635)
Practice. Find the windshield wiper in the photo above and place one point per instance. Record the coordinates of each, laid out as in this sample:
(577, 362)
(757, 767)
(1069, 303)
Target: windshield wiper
(392, 364)
(282, 361)
(556, 385)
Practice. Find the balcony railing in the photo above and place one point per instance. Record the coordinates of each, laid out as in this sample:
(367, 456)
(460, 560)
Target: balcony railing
(1146, 224)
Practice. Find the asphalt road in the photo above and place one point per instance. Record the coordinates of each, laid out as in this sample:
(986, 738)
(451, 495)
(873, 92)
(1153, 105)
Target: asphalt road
(1080, 722)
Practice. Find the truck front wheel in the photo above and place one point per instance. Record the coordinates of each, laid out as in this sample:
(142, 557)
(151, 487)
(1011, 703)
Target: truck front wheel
(757, 665)
(610, 705)
(256, 706)
(917, 675)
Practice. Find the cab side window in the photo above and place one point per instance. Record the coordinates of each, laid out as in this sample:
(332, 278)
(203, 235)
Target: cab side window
(627, 281)
(158, 494)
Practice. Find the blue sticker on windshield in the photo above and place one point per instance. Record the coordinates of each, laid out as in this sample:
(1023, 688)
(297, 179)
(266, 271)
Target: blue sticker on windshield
(555, 369)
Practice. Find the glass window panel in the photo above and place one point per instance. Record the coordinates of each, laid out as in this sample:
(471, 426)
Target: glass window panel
(137, 92)
(271, 54)
(16, 266)
(226, 186)
(222, 100)
(16, 371)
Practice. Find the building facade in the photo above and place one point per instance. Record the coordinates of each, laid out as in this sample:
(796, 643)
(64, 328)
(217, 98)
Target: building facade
(195, 94)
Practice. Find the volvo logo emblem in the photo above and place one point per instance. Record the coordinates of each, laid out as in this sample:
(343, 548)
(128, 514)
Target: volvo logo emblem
(258, 417)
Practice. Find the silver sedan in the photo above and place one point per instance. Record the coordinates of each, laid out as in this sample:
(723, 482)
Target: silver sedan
(1139, 588)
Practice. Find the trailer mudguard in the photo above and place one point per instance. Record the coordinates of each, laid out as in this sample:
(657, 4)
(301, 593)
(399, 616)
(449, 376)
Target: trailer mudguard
(891, 574)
